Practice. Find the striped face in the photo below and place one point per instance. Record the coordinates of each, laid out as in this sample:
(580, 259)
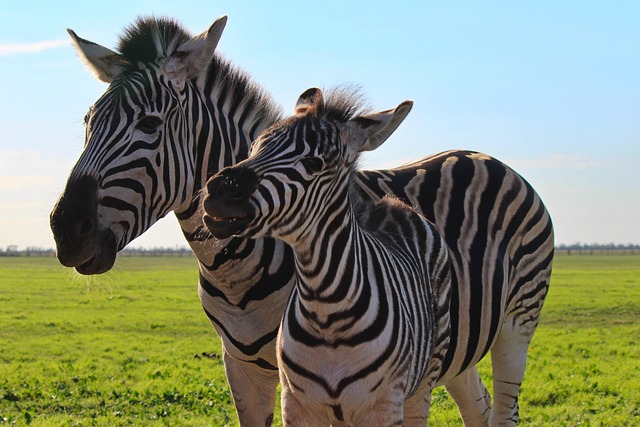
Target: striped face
(297, 170)
(138, 151)
(139, 156)
(290, 169)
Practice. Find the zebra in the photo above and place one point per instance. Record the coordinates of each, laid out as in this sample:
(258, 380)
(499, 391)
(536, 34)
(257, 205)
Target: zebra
(367, 327)
(175, 113)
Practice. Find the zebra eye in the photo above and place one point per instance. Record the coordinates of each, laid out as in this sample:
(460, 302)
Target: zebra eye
(149, 124)
(312, 164)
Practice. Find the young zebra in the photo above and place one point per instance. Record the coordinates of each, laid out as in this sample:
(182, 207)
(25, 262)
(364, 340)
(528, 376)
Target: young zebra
(365, 333)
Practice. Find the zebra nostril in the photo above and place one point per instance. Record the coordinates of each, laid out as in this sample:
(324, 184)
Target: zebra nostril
(87, 227)
(235, 195)
(215, 187)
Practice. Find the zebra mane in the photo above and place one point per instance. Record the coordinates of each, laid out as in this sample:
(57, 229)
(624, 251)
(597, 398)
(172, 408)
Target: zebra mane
(149, 39)
(343, 103)
(238, 85)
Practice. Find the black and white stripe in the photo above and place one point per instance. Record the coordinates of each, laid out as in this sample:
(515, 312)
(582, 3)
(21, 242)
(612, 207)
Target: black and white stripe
(207, 118)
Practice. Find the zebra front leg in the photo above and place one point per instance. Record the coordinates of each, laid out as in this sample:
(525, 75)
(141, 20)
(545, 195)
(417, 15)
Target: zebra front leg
(295, 413)
(471, 397)
(508, 359)
(416, 408)
(384, 409)
(253, 389)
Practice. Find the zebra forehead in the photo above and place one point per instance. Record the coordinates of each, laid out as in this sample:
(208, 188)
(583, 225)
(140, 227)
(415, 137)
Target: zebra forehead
(121, 87)
(150, 39)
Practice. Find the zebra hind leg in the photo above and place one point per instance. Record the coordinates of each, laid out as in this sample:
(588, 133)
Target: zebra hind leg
(508, 360)
(472, 398)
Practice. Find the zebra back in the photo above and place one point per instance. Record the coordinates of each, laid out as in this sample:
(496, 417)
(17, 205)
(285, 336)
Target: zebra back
(499, 235)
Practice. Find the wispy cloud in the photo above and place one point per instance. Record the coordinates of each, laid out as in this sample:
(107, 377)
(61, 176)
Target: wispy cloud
(18, 48)
(31, 174)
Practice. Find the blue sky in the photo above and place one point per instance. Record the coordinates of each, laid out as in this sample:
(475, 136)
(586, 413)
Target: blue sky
(551, 88)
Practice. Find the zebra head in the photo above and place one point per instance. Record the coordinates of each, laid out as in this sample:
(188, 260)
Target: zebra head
(138, 160)
(296, 166)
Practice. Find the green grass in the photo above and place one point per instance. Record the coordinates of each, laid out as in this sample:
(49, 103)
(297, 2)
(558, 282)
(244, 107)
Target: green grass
(112, 351)
(119, 350)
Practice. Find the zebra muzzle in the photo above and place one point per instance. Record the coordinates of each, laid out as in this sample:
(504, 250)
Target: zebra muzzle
(226, 204)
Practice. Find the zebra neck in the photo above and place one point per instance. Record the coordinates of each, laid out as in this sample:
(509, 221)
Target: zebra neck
(233, 111)
(329, 267)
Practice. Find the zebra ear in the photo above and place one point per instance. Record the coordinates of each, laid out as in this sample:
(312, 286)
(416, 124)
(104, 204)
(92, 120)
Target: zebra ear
(103, 62)
(311, 99)
(194, 56)
(369, 132)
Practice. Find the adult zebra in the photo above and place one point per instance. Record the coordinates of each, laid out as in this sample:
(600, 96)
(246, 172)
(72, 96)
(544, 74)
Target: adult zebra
(367, 327)
(174, 114)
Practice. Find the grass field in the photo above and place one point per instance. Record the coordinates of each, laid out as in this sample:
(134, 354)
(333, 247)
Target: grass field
(133, 347)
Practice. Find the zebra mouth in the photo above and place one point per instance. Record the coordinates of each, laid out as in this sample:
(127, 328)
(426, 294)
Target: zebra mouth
(227, 218)
(103, 258)
(227, 226)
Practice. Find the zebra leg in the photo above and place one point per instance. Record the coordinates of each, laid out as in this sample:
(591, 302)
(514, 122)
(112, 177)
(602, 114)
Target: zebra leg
(294, 413)
(472, 398)
(253, 389)
(508, 359)
(416, 408)
(386, 411)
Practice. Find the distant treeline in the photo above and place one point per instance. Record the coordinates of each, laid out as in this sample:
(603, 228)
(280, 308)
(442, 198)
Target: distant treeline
(597, 249)
(40, 252)
(577, 249)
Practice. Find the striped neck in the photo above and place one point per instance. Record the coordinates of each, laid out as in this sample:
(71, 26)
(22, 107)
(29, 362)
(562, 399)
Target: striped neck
(332, 287)
(238, 109)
